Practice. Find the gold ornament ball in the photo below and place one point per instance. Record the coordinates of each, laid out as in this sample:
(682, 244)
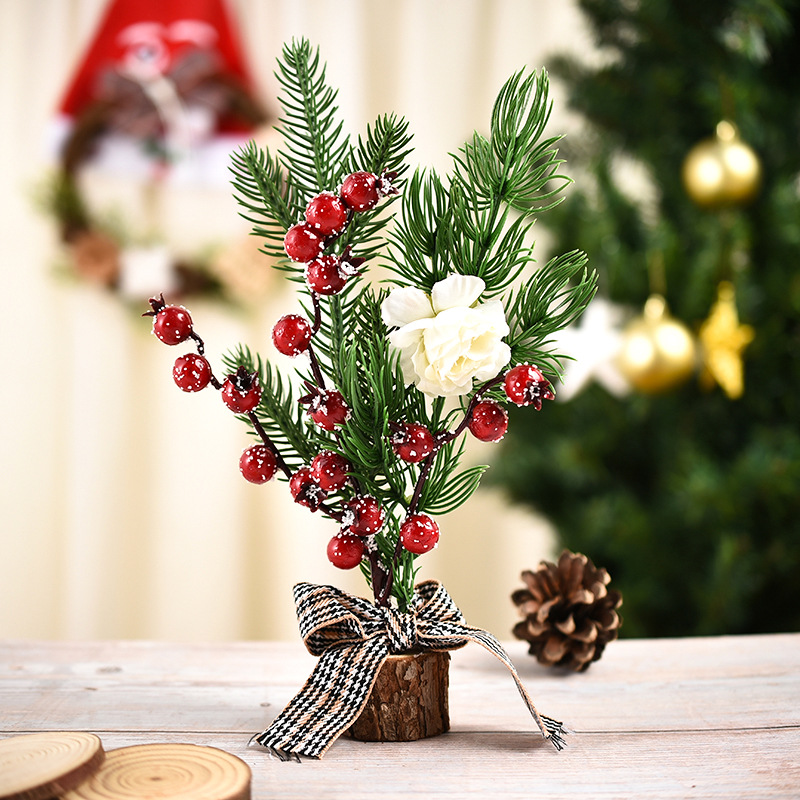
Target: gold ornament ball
(658, 352)
(722, 171)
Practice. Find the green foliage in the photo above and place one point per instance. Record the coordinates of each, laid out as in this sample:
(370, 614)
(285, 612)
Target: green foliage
(477, 222)
(689, 499)
(467, 226)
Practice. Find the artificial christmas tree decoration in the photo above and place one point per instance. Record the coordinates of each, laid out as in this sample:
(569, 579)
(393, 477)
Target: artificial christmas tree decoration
(688, 495)
(657, 351)
(162, 87)
(569, 613)
(392, 378)
(723, 339)
(722, 171)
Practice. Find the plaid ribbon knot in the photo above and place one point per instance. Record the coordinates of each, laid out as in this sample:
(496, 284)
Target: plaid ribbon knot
(352, 638)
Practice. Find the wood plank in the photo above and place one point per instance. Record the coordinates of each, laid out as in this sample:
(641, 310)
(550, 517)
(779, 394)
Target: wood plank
(665, 685)
(760, 764)
(705, 717)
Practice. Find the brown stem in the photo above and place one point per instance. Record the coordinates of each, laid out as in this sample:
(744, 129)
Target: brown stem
(317, 313)
(315, 368)
(442, 438)
(259, 429)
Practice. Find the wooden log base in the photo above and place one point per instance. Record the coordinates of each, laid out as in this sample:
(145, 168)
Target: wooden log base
(44, 765)
(409, 700)
(162, 771)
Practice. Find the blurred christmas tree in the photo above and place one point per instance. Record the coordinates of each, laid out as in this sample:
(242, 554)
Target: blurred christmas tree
(689, 492)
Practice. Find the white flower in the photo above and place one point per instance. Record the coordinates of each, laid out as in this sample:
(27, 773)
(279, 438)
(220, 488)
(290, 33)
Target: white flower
(446, 339)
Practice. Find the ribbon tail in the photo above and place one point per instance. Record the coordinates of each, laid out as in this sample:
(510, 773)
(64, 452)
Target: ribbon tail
(329, 702)
(552, 729)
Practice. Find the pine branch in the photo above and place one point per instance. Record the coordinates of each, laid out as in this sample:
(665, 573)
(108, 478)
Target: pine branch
(278, 412)
(316, 148)
(554, 298)
(266, 198)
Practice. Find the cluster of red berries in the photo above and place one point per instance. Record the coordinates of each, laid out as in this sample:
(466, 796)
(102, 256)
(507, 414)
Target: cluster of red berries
(240, 391)
(363, 515)
(326, 218)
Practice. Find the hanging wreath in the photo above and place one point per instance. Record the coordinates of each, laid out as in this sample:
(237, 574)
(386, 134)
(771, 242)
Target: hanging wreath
(167, 83)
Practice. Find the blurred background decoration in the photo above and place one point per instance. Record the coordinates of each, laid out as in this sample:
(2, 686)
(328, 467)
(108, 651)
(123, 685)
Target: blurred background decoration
(675, 459)
(122, 510)
(161, 95)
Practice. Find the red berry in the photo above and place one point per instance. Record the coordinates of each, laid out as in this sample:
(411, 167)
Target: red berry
(365, 516)
(345, 551)
(327, 214)
(419, 533)
(172, 324)
(525, 385)
(302, 243)
(241, 391)
(325, 276)
(328, 409)
(305, 490)
(330, 470)
(291, 335)
(191, 372)
(488, 421)
(258, 464)
(360, 191)
(411, 441)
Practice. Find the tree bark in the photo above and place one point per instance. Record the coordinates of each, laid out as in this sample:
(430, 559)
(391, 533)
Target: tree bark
(408, 700)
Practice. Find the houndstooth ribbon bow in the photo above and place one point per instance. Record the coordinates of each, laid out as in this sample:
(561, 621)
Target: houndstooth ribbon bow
(353, 637)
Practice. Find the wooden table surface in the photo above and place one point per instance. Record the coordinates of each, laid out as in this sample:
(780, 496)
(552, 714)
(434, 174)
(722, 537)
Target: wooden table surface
(684, 718)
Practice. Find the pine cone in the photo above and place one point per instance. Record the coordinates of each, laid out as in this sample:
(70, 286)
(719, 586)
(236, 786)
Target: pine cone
(570, 615)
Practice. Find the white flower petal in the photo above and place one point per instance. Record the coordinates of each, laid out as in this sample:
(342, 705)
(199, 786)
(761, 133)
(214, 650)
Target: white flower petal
(456, 290)
(494, 312)
(404, 305)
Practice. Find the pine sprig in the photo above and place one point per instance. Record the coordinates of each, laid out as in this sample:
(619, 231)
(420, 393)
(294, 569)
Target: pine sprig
(445, 491)
(316, 147)
(417, 250)
(260, 189)
(466, 226)
(554, 297)
(278, 411)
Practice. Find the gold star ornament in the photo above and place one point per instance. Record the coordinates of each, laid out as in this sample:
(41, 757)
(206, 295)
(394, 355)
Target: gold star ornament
(723, 341)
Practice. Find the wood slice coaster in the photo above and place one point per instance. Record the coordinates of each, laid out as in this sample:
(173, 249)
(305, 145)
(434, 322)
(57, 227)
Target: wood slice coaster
(43, 765)
(159, 771)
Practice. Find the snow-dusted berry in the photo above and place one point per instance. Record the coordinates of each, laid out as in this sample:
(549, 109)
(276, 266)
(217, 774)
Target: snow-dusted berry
(191, 372)
(172, 324)
(330, 470)
(411, 441)
(488, 421)
(327, 408)
(345, 551)
(325, 276)
(419, 533)
(241, 391)
(525, 385)
(302, 243)
(360, 191)
(327, 214)
(291, 335)
(364, 516)
(258, 464)
(305, 490)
